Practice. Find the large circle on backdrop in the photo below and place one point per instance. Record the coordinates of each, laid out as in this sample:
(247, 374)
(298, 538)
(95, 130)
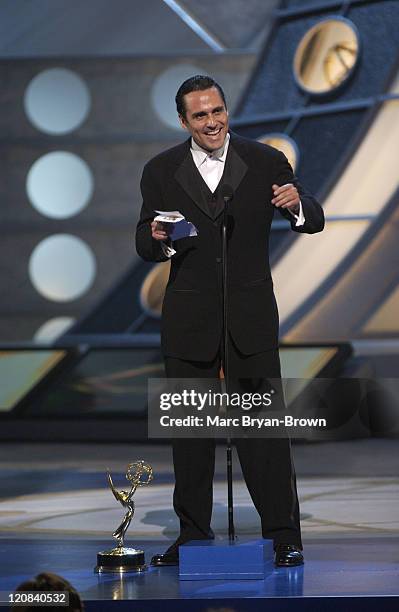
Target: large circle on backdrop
(283, 143)
(164, 90)
(152, 290)
(59, 184)
(53, 329)
(57, 101)
(62, 267)
(327, 55)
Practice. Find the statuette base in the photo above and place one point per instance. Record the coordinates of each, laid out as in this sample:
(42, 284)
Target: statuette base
(120, 560)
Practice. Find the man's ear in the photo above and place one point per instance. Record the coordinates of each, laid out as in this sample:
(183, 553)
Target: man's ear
(182, 122)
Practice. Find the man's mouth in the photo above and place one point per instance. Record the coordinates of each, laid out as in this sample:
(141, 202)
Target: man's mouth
(214, 132)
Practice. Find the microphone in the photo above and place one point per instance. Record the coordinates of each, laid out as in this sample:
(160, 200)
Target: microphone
(227, 193)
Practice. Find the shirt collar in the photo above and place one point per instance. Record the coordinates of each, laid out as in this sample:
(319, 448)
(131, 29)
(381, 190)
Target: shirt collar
(199, 154)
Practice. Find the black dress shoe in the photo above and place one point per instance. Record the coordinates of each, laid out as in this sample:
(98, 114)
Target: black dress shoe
(288, 555)
(170, 557)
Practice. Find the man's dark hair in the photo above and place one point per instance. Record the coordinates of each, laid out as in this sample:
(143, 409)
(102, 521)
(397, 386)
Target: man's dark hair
(199, 82)
(46, 581)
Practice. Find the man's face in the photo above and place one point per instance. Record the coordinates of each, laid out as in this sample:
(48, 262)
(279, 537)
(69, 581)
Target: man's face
(206, 118)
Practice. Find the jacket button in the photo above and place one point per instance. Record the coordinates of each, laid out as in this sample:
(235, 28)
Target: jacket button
(218, 260)
(215, 223)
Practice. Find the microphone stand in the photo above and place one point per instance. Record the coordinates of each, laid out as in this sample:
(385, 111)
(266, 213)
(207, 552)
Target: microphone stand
(227, 193)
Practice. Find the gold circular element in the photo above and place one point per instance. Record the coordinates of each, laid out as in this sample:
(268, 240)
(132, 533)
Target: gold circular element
(153, 289)
(326, 55)
(283, 143)
(139, 473)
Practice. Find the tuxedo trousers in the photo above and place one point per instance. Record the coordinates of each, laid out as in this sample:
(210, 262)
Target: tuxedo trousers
(266, 463)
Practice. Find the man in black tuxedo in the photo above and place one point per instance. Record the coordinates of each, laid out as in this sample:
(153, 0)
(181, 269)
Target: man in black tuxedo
(189, 178)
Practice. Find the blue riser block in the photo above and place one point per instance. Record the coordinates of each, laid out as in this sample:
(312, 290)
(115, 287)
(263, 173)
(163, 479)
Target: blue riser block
(223, 560)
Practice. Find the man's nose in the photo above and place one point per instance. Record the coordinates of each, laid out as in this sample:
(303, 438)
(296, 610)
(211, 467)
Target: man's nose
(211, 120)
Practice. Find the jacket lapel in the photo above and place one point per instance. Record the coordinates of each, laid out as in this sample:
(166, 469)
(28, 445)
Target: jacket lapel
(190, 179)
(234, 171)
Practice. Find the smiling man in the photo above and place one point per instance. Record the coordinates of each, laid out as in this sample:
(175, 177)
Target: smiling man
(205, 116)
(189, 178)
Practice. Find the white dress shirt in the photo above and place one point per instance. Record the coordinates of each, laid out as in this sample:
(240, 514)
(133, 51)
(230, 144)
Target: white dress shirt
(210, 165)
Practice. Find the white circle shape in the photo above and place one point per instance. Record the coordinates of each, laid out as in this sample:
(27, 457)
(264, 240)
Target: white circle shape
(57, 101)
(59, 184)
(53, 329)
(164, 90)
(62, 267)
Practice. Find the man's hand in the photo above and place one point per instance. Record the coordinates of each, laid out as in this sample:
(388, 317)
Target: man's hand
(286, 196)
(160, 231)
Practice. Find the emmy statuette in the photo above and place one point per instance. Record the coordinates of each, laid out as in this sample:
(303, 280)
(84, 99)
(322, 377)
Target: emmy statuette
(122, 559)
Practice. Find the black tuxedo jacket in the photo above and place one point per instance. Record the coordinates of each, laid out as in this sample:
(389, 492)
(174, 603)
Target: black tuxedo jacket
(192, 307)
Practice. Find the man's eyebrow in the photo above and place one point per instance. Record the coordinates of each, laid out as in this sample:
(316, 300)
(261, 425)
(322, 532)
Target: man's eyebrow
(202, 113)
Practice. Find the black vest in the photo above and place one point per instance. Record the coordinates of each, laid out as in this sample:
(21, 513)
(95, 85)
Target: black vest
(212, 202)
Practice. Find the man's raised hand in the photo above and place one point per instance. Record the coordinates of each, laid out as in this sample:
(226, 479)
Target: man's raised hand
(286, 196)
